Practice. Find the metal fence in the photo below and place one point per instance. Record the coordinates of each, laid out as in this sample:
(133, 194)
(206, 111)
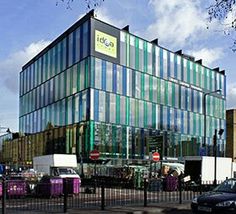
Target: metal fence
(99, 193)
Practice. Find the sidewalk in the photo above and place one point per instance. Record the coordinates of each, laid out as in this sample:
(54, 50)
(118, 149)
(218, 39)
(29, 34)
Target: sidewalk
(159, 208)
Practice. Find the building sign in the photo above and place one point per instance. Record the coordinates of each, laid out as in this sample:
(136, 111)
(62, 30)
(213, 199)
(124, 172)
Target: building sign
(105, 44)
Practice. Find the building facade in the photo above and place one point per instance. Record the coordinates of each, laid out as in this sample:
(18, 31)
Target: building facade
(100, 87)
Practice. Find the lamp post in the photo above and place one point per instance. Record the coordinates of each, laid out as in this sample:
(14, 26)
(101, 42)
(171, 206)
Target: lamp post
(221, 131)
(204, 112)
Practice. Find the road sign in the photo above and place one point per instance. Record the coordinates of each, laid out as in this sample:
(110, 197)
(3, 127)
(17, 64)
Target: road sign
(155, 156)
(94, 155)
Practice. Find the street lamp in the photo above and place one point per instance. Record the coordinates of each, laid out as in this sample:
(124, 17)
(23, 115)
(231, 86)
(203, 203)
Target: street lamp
(221, 131)
(204, 112)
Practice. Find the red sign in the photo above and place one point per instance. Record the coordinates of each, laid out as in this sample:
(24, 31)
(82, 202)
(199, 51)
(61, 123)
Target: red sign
(94, 155)
(155, 156)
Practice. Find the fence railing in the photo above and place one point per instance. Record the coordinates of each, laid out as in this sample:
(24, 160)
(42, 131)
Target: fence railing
(59, 196)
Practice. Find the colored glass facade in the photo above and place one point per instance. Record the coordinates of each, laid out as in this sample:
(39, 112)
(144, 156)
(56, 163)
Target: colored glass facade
(127, 104)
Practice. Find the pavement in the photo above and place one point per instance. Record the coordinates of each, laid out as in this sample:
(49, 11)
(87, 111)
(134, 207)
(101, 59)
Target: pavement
(159, 208)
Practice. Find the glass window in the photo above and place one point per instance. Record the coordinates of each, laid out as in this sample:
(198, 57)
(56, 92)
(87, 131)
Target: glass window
(149, 58)
(123, 50)
(98, 73)
(138, 85)
(82, 74)
(85, 39)
(74, 79)
(84, 105)
(112, 108)
(157, 51)
(91, 104)
(109, 78)
(63, 54)
(122, 110)
(68, 82)
(119, 79)
(149, 115)
(146, 87)
(164, 64)
(77, 44)
(172, 65)
(132, 112)
(141, 55)
(70, 49)
(129, 82)
(102, 106)
(154, 94)
(178, 67)
(132, 52)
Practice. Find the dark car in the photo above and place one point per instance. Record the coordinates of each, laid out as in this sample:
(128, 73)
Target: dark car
(221, 200)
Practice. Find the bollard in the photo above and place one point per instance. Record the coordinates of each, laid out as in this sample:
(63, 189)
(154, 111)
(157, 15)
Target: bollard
(65, 192)
(4, 192)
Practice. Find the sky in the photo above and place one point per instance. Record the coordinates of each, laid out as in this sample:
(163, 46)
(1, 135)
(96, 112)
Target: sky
(27, 26)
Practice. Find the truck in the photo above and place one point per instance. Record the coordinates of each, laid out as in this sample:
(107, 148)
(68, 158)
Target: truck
(61, 165)
(202, 168)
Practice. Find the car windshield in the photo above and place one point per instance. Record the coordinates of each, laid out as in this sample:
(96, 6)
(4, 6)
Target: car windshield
(227, 186)
(66, 171)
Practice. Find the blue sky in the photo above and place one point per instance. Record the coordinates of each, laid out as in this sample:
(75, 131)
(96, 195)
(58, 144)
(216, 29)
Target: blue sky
(28, 26)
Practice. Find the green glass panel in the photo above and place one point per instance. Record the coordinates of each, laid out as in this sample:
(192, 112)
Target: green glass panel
(91, 136)
(188, 71)
(117, 109)
(127, 110)
(166, 93)
(145, 55)
(142, 86)
(173, 95)
(199, 124)
(136, 53)
(200, 76)
(151, 88)
(92, 71)
(210, 75)
(205, 78)
(194, 74)
(194, 124)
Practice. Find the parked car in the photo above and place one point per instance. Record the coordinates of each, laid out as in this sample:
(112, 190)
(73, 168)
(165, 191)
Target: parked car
(222, 199)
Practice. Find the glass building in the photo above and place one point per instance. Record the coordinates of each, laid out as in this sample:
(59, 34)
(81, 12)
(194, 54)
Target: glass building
(100, 87)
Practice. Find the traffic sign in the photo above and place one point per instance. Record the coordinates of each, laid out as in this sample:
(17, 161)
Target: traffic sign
(94, 155)
(155, 156)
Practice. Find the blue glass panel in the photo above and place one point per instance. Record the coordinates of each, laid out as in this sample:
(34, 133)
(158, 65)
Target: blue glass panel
(182, 122)
(168, 118)
(133, 83)
(186, 99)
(124, 80)
(74, 47)
(161, 117)
(168, 64)
(182, 69)
(103, 75)
(175, 66)
(175, 120)
(114, 81)
(80, 107)
(192, 100)
(87, 105)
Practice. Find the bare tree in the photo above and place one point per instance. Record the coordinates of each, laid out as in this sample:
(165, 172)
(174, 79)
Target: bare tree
(225, 12)
(90, 4)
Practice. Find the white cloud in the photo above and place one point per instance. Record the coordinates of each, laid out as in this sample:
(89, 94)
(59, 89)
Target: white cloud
(11, 66)
(231, 96)
(177, 21)
(9, 72)
(102, 14)
(208, 56)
